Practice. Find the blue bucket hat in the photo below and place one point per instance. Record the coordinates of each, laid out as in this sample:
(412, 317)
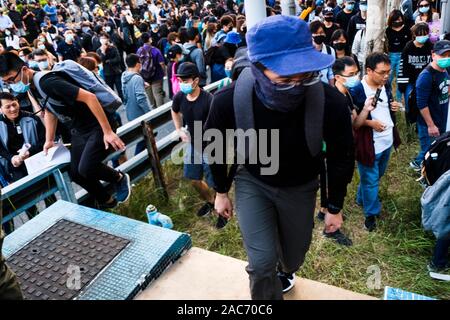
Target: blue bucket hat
(283, 44)
(233, 37)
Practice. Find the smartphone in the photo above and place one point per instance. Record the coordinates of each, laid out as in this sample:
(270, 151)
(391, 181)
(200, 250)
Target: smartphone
(376, 98)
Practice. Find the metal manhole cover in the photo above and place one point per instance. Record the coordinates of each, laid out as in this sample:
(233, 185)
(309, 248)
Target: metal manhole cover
(48, 266)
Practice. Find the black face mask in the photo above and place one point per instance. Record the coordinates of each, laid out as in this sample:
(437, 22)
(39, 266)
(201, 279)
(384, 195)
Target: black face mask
(319, 39)
(397, 24)
(340, 46)
(329, 19)
(281, 101)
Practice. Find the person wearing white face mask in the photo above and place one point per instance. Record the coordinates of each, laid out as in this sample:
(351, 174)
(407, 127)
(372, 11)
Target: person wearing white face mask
(43, 59)
(11, 39)
(357, 22)
(343, 17)
(69, 49)
(339, 7)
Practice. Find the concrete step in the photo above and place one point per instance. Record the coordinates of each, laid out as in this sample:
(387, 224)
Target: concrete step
(205, 275)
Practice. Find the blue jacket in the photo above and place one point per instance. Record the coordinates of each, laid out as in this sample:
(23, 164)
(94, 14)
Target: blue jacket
(134, 96)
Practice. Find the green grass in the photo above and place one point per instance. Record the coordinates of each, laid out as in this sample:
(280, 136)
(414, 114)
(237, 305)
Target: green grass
(399, 247)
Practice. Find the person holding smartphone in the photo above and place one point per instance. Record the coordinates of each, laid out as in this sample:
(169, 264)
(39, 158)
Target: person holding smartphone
(376, 136)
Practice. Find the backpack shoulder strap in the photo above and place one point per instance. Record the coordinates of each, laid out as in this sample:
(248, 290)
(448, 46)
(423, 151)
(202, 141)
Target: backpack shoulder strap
(243, 100)
(243, 110)
(314, 115)
(36, 80)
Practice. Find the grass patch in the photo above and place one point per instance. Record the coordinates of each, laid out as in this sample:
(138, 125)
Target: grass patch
(399, 248)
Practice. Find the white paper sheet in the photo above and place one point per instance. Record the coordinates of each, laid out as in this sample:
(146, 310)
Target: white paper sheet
(56, 155)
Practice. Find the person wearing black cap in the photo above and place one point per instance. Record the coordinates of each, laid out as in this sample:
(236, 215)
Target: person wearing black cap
(175, 54)
(280, 95)
(432, 99)
(190, 107)
(330, 25)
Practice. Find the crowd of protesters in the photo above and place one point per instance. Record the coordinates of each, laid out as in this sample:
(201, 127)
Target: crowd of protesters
(137, 49)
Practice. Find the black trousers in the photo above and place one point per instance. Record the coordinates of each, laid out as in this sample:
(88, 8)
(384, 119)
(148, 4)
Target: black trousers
(116, 81)
(86, 167)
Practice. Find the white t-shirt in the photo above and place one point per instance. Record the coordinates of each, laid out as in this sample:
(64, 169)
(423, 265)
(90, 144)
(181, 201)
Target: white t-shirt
(382, 140)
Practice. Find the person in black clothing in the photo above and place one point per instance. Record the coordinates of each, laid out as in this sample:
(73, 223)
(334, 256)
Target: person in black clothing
(16, 18)
(69, 49)
(117, 41)
(190, 107)
(275, 209)
(31, 24)
(330, 25)
(92, 134)
(398, 35)
(39, 13)
(343, 17)
(357, 22)
(111, 61)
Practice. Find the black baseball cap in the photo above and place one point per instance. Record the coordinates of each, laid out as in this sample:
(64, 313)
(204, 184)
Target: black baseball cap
(441, 47)
(173, 51)
(328, 10)
(187, 70)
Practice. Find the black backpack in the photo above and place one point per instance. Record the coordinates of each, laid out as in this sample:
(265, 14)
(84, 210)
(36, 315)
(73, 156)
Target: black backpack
(187, 56)
(437, 159)
(413, 110)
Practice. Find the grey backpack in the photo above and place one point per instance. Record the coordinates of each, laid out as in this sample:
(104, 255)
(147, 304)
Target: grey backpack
(86, 79)
(436, 207)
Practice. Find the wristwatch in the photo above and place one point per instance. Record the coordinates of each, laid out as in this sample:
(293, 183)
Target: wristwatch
(333, 210)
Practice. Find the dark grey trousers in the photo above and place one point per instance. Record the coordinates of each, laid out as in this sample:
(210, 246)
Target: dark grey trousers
(276, 226)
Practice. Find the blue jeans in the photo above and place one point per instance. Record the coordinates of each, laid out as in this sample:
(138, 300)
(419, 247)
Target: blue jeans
(370, 182)
(196, 166)
(440, 257)
(395, 58)
(424, 139)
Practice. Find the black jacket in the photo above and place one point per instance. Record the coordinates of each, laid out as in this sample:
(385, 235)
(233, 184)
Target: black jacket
(111, 61)
(296, 165)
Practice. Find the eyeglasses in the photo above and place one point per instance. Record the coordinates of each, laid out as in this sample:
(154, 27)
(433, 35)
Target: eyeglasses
(423, 5)
(383, 73)
(309, 79)
(13, 80)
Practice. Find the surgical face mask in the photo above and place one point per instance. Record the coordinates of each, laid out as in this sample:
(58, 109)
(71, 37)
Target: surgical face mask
(43, 65)
(104, 41)
(319, 39)
(228, 73)
(42, 39)
(69, 38)
(352, 82)
(108, 29)
(7, 32)
(444, 63)
(350, 6)
(340, 2)
(363, 7)
(422, 39)
(424, 9)
(20, 87)
(186, 88)
(85, 29)
(397, 24)
(41, 46)
(33, 64)
(329, 19)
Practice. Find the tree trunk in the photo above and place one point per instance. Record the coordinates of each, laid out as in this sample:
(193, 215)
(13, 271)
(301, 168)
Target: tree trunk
(376, 25)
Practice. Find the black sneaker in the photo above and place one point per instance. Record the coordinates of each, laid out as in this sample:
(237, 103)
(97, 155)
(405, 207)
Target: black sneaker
(123, 188)
(287, 280)
(206, 209)
(339, 237)
(439, 273)
(320, 216)
(370, 223)
(221, 222)
(108, 205)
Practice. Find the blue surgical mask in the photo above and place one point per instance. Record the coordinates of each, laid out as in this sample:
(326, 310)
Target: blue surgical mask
(33, 64)
(363, 7)
(340, 2)
(228, 73)
(43, 65)
(424, 9)
(350, 6)
(20, 87)
(352, 82)
(186, 88)
(422, 39)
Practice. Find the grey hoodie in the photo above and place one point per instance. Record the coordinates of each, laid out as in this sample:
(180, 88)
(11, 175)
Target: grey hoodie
(134, 96)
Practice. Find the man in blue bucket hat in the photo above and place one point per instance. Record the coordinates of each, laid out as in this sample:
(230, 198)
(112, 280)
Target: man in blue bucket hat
(305, 120)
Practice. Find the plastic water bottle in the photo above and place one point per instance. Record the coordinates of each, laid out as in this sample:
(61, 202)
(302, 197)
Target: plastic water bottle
(158, 219)
(24, 149)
